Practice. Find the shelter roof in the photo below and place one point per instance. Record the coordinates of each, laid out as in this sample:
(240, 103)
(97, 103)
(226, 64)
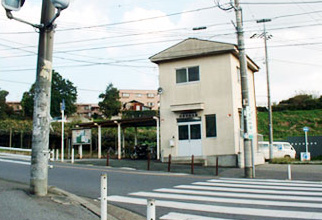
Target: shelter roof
(131, 122)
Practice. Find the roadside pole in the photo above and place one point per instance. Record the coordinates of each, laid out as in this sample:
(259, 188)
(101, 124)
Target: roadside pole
(41, 115)
(62, 129)
(245, 92)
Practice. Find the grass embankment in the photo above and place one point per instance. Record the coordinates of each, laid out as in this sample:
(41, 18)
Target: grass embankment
(291, 123)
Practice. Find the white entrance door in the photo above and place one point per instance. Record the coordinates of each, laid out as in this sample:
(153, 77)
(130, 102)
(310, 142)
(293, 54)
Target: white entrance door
(190, 138)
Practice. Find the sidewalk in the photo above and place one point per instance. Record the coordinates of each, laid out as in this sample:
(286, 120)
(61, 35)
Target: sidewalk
(17, 203)
(308, 172)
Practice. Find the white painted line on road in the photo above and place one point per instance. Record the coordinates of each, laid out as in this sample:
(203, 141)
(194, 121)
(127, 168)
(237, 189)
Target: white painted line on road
(242, 195)
(17, 156)
(258, 187)
(226, 200)
(181, 216)
(266, 183)
(222, 209)
(14, 161)
(244, 190)
(272, 180)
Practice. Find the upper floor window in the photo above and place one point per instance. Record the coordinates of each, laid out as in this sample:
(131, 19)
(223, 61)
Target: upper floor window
(138, 95)
(150, 95)
(125, 95)
(189, 74)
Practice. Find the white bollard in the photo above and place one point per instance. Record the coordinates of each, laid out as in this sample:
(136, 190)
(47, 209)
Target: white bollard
(80, 151)
(52, 155)
(72, 155)
(104, 196)
(150, 212)
(57, 154)
(289, 172)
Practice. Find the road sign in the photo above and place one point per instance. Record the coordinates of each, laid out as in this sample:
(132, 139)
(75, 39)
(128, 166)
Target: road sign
(306, 129)
(63, 105)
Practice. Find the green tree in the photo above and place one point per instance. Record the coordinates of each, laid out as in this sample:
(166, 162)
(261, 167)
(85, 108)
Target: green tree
(4, 108)
(60, 89)
(110, 105)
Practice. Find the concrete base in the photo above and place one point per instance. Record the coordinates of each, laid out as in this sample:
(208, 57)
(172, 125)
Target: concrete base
(223, 160)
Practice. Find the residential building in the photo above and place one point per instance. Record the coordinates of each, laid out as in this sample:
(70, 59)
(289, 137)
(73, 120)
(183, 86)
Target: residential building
(148, 98)
(201, 103)
(87, 110)
(16, 106)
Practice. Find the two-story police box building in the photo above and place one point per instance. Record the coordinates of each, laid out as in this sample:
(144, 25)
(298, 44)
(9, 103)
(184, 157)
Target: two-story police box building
(201, 103)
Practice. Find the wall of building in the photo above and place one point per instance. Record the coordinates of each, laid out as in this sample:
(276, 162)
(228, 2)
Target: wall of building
(218, 92)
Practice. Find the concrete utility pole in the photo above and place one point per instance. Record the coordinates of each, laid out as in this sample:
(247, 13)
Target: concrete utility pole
(249, 172)
(269, 104)
(41, 115)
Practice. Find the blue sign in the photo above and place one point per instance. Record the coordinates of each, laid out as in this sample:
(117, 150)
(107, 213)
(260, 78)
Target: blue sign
(63, 105)
(306, 129)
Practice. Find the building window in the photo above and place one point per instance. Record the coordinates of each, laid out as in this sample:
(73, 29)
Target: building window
(150, 104)
(150, 95)
(183, 132)
(189, 74)
(138, 95)
(211, 130)
(125, 94)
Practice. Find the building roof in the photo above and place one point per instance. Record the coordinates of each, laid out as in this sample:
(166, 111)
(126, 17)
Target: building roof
(193, 47)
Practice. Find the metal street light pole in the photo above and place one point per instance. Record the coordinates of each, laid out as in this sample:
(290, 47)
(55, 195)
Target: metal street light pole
(269, 104)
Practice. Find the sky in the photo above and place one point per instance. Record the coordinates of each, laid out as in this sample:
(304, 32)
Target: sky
(98, 42)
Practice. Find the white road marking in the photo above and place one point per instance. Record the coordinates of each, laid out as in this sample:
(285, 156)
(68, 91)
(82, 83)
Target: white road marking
(226, 200)
(271, 180)
(266, 183)
(257, 187)
(222, 209)
(242, 190)
(181, 216)
(14, 161)
(241, 195)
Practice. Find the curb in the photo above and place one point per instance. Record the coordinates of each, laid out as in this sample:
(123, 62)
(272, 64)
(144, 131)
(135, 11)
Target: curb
(114, 212)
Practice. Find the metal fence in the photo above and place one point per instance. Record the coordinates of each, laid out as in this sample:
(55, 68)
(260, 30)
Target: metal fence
(314, 145)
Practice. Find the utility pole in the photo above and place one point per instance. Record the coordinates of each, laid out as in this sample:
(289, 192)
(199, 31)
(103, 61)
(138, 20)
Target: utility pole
(269, 104)
(41, 115)
(246, 116)
(249, 171)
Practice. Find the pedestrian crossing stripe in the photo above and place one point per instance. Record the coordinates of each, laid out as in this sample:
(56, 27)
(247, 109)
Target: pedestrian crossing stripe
(271, 181)
(221, 209)
(237, 197)
(266, 183)
(258, 186)
(181, 216)
(248, 190)
(241, 195)
(226, 200)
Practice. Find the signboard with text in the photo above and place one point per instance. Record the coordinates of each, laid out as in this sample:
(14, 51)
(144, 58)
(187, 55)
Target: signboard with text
(81, 136)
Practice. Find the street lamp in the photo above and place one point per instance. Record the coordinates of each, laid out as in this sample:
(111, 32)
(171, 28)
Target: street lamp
(41, 115)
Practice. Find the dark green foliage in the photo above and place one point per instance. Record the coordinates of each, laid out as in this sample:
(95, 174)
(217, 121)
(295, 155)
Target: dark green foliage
(139, 114)
(5, 110)
(110, 105)
(60, 89)
(299, 102)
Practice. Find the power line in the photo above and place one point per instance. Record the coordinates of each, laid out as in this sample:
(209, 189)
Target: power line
(280, 3)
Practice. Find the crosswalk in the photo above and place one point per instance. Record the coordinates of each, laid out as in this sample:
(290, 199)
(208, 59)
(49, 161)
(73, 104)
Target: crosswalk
(232, 198)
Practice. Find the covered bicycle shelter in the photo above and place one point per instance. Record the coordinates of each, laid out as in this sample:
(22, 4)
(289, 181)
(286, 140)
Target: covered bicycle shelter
(120, 124)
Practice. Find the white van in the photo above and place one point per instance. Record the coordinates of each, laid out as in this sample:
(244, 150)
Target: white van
(280, 149)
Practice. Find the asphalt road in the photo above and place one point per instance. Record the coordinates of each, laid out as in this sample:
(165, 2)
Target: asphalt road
(84, 180)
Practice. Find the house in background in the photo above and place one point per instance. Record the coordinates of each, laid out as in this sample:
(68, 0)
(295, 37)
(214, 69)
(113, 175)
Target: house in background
(16, 106)
(149, 98)
(134, 106)
(201, 103)
(87, 110)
